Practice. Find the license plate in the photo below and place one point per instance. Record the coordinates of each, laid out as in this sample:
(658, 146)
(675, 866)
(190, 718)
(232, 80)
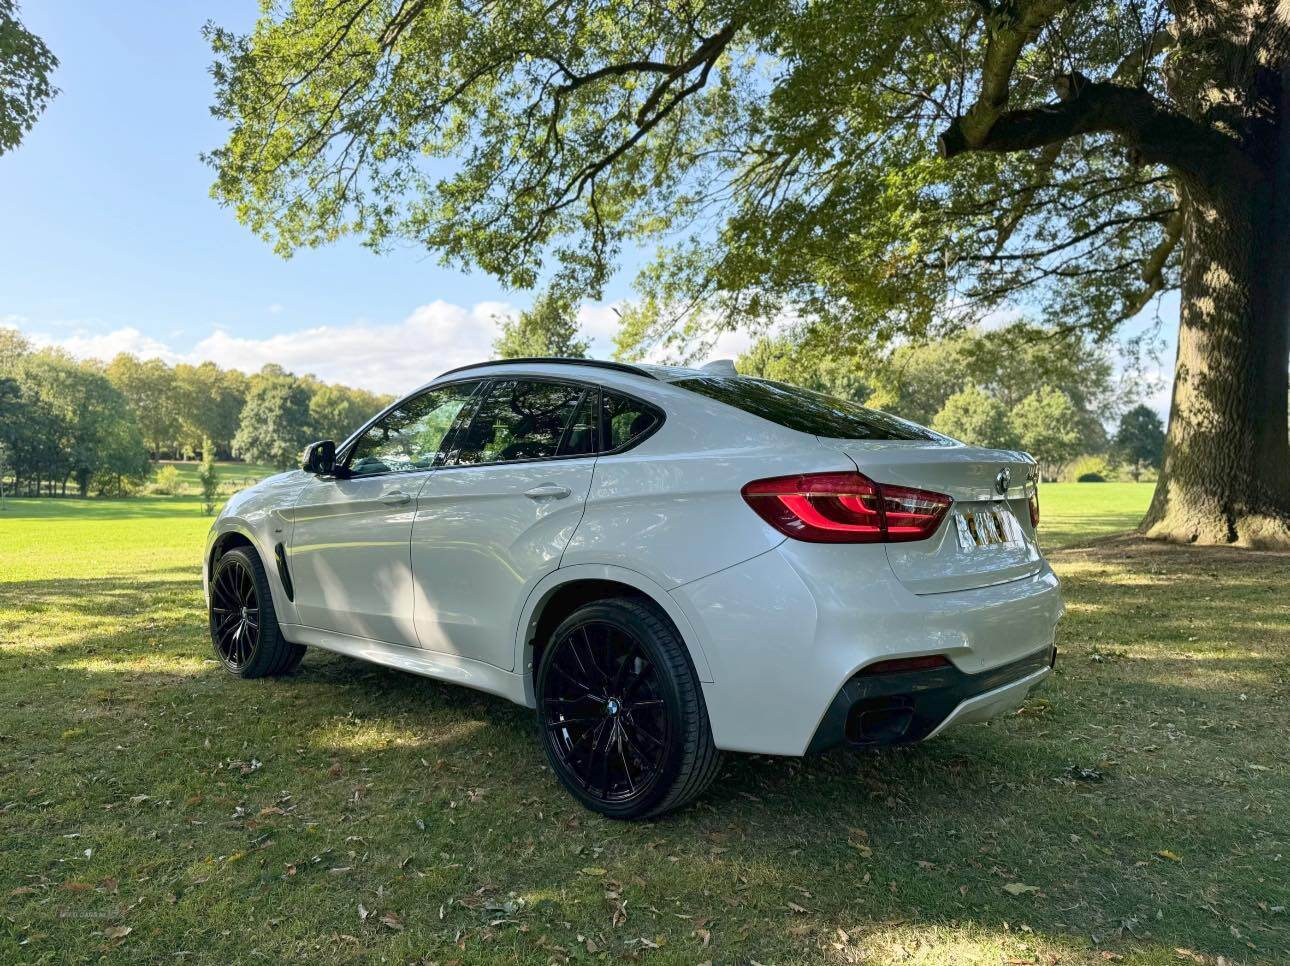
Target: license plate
(995, 527)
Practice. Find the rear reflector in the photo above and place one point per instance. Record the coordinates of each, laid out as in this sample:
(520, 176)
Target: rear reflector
(904, 665)
(845, 508)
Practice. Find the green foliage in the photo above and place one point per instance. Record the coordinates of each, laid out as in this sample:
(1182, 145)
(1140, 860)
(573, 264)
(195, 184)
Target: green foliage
(807, 363)
(782, 155)
(1047, 427)
(153, 392)
(1089, 465)
(977, 418)
(208, 477)
(1140, 439)
(26, 65)
(336, 411)
(275, 423)
(914, 381)
(549, 328)
(64, 423)
(210, 402)
(167, 482)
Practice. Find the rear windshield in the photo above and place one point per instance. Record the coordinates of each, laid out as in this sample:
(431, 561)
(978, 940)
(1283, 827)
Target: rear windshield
(805, 411)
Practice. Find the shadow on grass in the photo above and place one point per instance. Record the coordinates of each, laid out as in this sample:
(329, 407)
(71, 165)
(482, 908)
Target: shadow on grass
(348, 783)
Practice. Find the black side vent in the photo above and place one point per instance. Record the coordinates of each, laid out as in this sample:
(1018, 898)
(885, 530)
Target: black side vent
(280, 556)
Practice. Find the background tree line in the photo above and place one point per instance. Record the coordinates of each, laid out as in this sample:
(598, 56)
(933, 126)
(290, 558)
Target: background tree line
(89, 427)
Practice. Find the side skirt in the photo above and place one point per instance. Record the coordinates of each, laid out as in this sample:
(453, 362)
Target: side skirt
(414, 660)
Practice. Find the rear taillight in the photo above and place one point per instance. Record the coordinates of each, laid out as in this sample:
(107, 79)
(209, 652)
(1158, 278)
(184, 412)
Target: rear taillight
(845, 508)
(905, 665)
(1034, 507)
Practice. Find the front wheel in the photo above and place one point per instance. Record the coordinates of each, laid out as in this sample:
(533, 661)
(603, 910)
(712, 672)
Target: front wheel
(621, 711)
(244, 626)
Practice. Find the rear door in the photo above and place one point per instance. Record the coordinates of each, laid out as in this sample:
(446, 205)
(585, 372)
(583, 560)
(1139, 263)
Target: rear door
(498, 515)
(350, 558)
(986, 538)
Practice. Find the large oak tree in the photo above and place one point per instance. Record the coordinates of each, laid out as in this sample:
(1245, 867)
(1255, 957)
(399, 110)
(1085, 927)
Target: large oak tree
(886, 168)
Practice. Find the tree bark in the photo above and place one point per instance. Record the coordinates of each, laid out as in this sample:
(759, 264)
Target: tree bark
(1226, 472)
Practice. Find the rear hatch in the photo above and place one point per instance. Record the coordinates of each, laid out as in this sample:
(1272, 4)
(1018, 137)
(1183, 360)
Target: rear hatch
(986, 537)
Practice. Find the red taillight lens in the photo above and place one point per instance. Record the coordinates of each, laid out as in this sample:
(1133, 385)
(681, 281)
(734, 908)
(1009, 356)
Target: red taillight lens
(907, 664)
(845, 508)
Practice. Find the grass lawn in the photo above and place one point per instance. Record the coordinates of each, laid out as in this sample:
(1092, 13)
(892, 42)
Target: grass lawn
(232, 476)
(153, 808)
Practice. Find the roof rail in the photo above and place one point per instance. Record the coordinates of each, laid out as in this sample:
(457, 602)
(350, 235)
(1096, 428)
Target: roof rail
(591, 363)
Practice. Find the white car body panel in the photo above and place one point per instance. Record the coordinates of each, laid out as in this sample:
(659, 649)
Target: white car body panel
(350, 559)
(481, 542)
(452, 584)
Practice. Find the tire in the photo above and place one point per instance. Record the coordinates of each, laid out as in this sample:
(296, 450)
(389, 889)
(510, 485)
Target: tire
(239, 594)
(620, 711)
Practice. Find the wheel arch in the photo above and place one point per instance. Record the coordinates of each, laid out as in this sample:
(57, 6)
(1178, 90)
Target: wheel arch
(565, 590)
(233, 535)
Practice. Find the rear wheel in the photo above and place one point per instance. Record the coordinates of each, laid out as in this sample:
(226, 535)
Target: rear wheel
(244, 626)
(621, 711)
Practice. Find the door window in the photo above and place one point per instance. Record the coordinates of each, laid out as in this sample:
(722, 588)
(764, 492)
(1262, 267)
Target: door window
(522, 419)
(409, 438)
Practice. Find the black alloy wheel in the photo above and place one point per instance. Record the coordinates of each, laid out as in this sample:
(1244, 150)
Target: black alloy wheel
(621, 711)
(244, 626)
(235, 614)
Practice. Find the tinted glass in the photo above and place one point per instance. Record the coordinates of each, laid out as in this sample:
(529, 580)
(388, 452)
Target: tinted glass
(580, 436)
(518, 420)
(625, 419)
(805, 411)
(409, 437)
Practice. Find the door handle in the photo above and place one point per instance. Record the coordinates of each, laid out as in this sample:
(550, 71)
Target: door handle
(397, 498)
(548, 491)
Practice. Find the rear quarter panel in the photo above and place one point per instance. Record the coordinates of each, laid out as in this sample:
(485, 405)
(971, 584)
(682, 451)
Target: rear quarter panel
(671, 507)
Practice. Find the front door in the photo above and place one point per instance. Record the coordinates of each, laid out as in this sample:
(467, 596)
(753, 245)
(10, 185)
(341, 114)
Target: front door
(349, 558)
(497, 516)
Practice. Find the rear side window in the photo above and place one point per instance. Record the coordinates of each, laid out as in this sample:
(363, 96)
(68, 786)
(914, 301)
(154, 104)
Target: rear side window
(625, 420)
(805, 411)
(520, 419)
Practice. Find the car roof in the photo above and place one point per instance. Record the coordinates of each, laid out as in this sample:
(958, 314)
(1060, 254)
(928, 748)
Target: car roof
(659, 373)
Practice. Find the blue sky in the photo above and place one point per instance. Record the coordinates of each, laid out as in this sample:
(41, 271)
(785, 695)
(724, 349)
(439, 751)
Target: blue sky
(111, 242)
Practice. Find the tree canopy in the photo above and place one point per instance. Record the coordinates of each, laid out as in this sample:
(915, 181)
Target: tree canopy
(885, 169)
(26, 66)
(549, 328)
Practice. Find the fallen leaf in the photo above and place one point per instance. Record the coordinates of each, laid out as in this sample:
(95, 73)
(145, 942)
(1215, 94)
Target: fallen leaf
(1171, 856)
(1019, 888)
(117, 932)
(392, 921)
(593, 870)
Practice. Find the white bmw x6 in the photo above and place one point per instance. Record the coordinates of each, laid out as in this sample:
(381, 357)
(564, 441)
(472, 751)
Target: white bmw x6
(665, 563)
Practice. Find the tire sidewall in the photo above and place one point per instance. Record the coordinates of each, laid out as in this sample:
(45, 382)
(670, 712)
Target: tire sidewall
(630, 623)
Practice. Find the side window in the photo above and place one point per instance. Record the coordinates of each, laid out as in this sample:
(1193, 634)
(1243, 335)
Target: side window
(518, 419)
(623, 420)
(409, 437)
(580, 434)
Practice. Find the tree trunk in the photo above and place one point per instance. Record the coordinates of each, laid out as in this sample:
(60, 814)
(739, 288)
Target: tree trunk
(1226, 472)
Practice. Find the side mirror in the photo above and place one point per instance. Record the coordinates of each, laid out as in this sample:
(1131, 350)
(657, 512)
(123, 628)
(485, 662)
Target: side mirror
(320, 457)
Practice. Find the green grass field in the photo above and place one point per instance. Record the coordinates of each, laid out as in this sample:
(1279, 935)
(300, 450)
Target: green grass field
(154, 809)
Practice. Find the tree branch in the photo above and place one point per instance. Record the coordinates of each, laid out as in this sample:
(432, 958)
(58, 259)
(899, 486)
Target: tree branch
(1156, 134)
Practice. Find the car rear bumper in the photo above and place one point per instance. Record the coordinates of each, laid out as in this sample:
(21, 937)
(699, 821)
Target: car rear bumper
(902, 708)
(788, 633)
